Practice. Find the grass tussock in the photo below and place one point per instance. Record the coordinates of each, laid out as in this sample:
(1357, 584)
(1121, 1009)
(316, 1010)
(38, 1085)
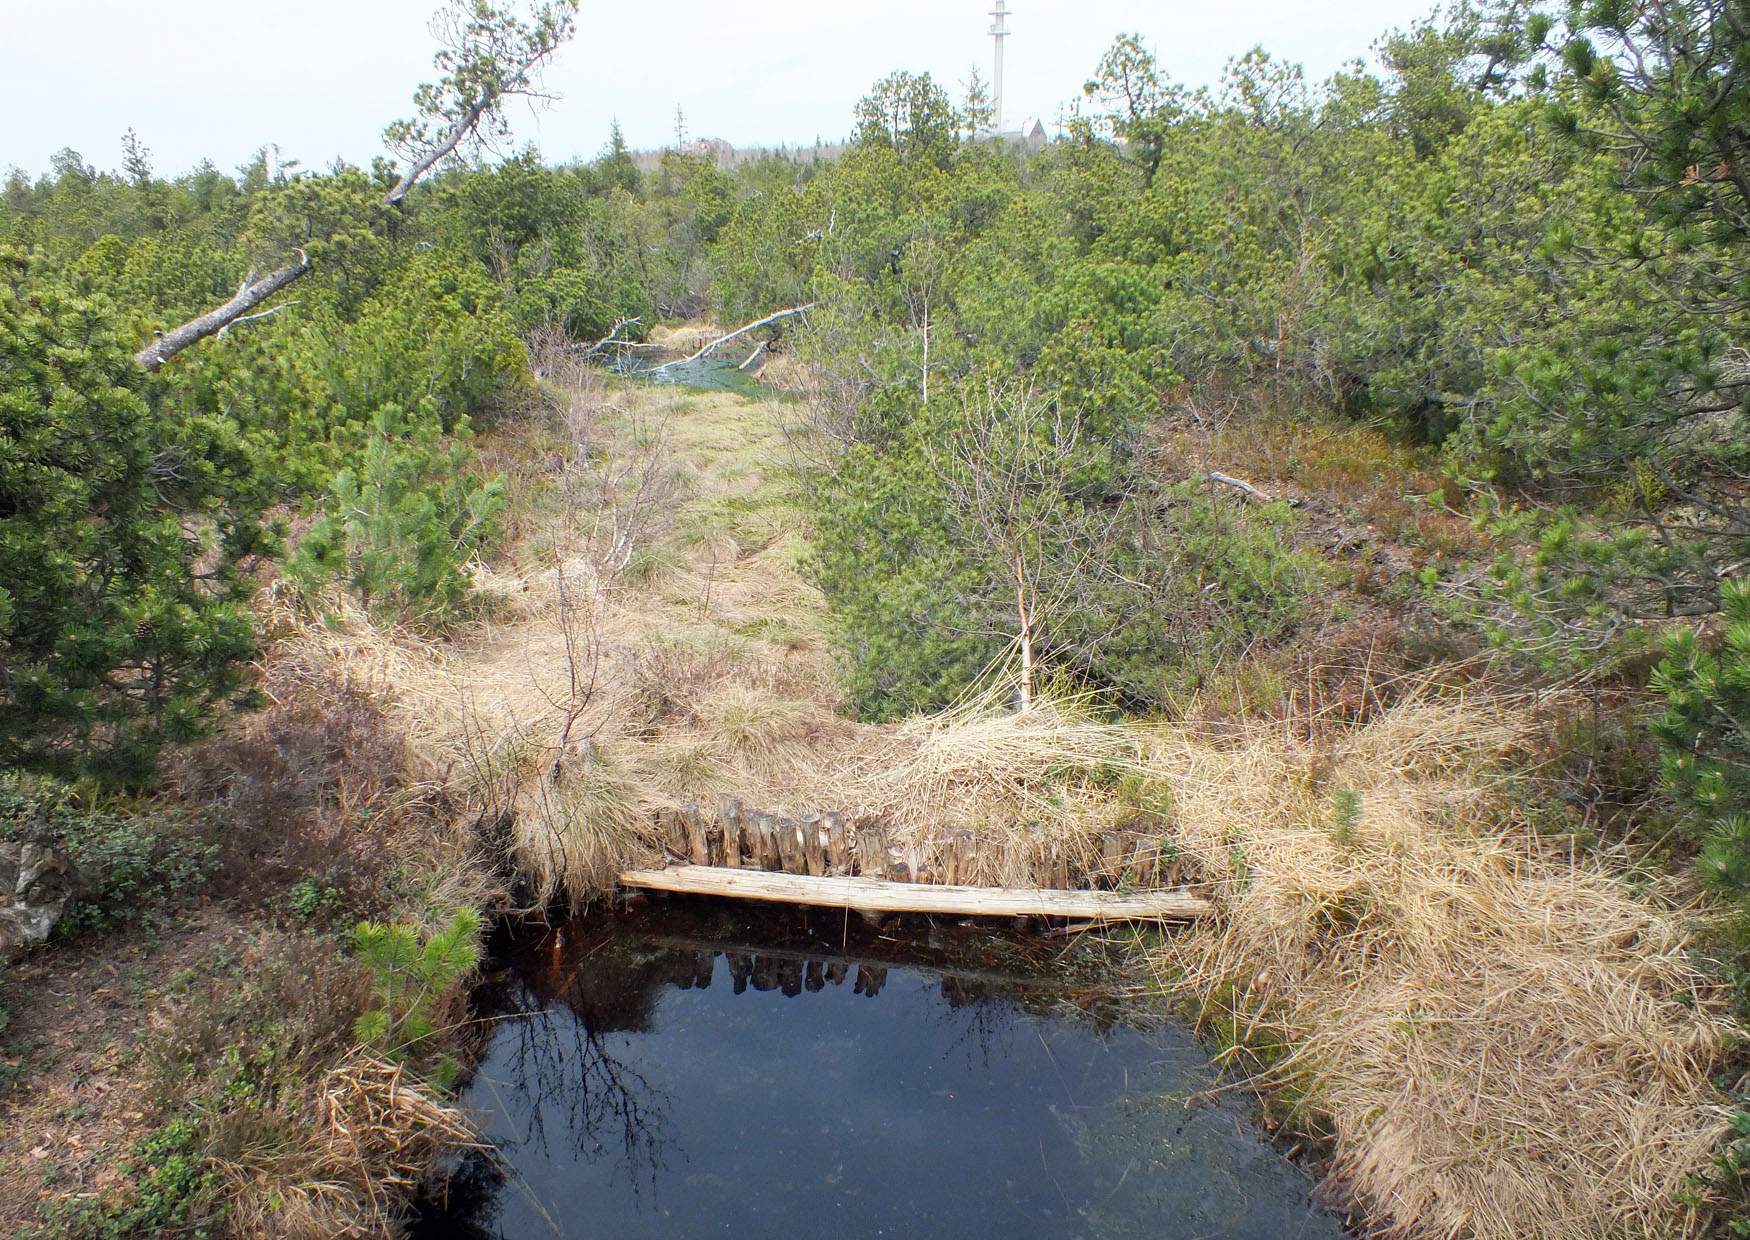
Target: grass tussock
(376, 1132)
(1504, 1040)
(579, 824)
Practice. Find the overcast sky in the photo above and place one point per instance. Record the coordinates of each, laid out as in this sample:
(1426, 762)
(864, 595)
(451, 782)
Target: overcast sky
(219, 78)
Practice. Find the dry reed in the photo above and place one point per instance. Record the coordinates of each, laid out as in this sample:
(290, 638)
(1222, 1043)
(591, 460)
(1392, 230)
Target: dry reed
(1506, 1040)
(375, 1135)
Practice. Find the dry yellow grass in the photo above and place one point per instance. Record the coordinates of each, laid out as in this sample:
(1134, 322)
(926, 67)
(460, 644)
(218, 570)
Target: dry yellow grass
(1506, 1041)
(377, 1133)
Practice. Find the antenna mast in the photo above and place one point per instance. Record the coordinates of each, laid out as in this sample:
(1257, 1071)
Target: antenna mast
(999, 30)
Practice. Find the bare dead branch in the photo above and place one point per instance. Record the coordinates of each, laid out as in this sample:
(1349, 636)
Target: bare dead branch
(739, 332)
(166, 345)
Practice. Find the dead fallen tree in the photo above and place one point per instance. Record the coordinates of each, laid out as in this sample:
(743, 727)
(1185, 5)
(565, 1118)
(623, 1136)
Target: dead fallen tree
(489, 55)
(739, 332)
(252, 292)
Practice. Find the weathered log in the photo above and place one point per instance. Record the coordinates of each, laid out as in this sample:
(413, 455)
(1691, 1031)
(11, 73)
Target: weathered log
(250, 294)
(875, 896)
(737, 334)
(509, 80)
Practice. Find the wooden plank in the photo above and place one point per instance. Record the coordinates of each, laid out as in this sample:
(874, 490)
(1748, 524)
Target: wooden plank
(875, 896)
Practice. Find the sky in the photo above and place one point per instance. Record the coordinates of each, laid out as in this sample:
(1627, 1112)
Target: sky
(320, 78)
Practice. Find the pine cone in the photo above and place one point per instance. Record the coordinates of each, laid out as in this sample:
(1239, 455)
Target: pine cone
(143, 630)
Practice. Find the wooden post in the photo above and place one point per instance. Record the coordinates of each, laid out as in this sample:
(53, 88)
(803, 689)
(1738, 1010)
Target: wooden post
(729, 815)
(838, 843)
(1111, 859)
(872, 851)
(813, 847)
(697, 845)
(790, 847)
(1143, 861)
(765, 844)
(674, 834)
(716, 845)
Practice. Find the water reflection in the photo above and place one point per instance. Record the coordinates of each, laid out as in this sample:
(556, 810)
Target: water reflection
(693, 1070)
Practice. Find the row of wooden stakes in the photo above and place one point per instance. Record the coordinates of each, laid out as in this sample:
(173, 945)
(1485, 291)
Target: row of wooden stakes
(829, 844)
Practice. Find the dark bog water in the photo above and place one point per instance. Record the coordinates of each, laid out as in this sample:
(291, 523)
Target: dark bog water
(692, 1069)
(709, 374)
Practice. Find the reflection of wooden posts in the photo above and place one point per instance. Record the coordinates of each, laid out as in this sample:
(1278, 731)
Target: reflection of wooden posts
(765, 973)
(816, 979)
(870, 979)
(790, 978)
(740, 969)
(836, 971)
(704, 968)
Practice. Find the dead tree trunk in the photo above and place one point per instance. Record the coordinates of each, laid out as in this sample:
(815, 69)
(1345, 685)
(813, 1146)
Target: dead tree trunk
(491, 56)
(253, 292)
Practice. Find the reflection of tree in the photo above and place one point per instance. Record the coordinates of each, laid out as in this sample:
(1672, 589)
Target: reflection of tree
(985, 1014)
(562, 1064)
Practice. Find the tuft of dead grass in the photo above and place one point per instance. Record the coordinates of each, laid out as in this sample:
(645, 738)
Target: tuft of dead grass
(374, 1133)
(1506, 1040)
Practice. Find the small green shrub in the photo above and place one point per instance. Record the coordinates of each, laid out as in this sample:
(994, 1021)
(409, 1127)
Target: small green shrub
(402, 526)
(171, 1192)
(1706, 745)
(410, 979)
(1345, 816)
(125, 864)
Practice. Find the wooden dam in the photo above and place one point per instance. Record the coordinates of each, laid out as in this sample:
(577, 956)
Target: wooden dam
(827, 861)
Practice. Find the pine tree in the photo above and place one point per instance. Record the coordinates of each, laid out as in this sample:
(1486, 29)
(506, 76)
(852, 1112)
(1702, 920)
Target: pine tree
(125, 534)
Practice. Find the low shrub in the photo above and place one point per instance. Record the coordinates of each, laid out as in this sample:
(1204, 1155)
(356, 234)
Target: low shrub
(125, 864)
